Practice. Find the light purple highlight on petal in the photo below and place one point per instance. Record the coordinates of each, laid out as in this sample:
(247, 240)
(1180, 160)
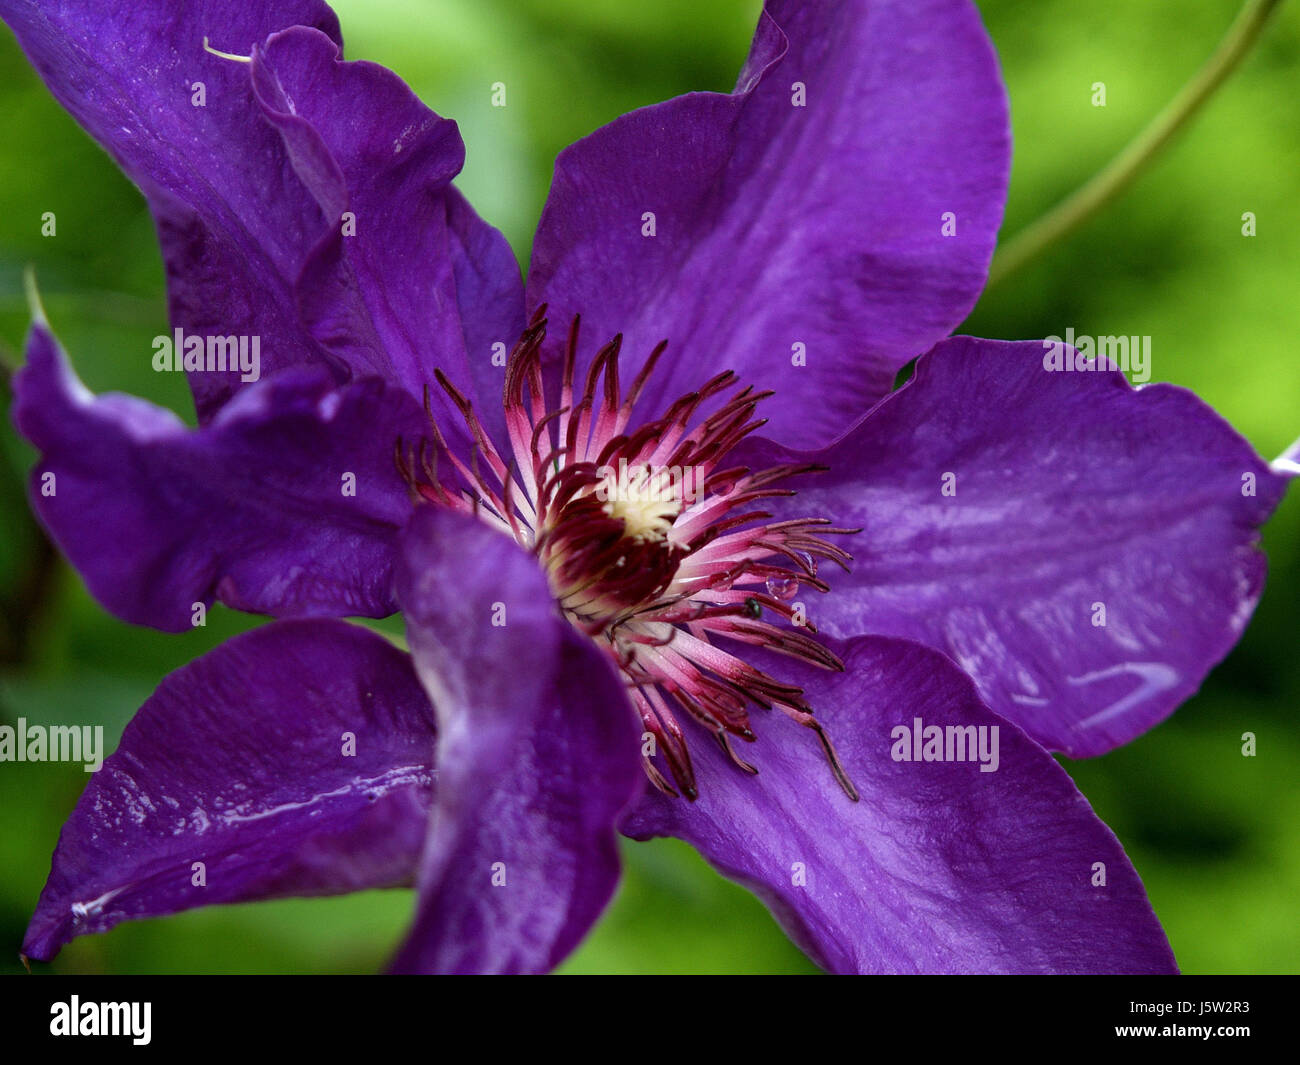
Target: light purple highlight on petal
(240, 761)
(1099, 552)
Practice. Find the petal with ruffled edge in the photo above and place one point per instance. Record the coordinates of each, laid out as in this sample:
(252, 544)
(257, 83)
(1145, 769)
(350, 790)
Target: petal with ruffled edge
(1087, 551)
(788, 233)
(941, 867)
(537, 756)
(292, 760)
(288, 503)
(409, 279)
(234, 220)
(248, 190)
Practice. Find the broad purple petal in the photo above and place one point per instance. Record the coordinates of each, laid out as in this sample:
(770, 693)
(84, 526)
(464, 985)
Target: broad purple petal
(941, 867)
(787, 233)
(1087, 551)
(235, 221)
(293, 760)
(288, 503)
(537, 757)
(408, 279)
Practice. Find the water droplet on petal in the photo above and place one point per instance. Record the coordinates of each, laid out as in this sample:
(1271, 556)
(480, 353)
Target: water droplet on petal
(810, 563)
(782, 588)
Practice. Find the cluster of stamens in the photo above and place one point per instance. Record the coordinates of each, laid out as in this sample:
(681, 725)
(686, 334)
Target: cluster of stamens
(651, 546)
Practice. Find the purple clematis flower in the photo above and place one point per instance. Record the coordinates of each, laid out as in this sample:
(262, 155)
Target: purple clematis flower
(613, 550)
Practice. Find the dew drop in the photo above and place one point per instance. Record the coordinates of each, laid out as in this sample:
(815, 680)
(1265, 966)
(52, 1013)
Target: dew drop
(782, 588)
(810, 563)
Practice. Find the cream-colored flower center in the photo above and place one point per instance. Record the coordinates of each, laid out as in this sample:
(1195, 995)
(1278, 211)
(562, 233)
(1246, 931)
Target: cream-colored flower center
(644, 520)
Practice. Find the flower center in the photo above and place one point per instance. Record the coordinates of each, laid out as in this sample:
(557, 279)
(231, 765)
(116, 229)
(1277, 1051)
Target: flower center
(606, 552)
(646, 503)
(652, 546)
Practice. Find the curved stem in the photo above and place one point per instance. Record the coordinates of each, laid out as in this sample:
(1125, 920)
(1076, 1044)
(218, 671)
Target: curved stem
(1123, 170)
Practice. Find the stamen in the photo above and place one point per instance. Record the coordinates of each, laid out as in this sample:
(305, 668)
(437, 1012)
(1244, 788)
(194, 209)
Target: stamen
(653, 570)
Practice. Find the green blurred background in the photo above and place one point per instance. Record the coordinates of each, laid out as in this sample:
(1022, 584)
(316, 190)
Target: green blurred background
(1216, 836)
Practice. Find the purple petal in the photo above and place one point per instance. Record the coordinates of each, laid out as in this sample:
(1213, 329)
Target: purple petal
(240, 761)
(941, 866)
(234, 219)
(784, 231)
(413, 280)
(537, 758)
(252, 509)
(1100, 553)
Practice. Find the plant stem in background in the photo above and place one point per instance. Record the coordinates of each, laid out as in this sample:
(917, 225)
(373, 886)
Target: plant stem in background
(1124, 169)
